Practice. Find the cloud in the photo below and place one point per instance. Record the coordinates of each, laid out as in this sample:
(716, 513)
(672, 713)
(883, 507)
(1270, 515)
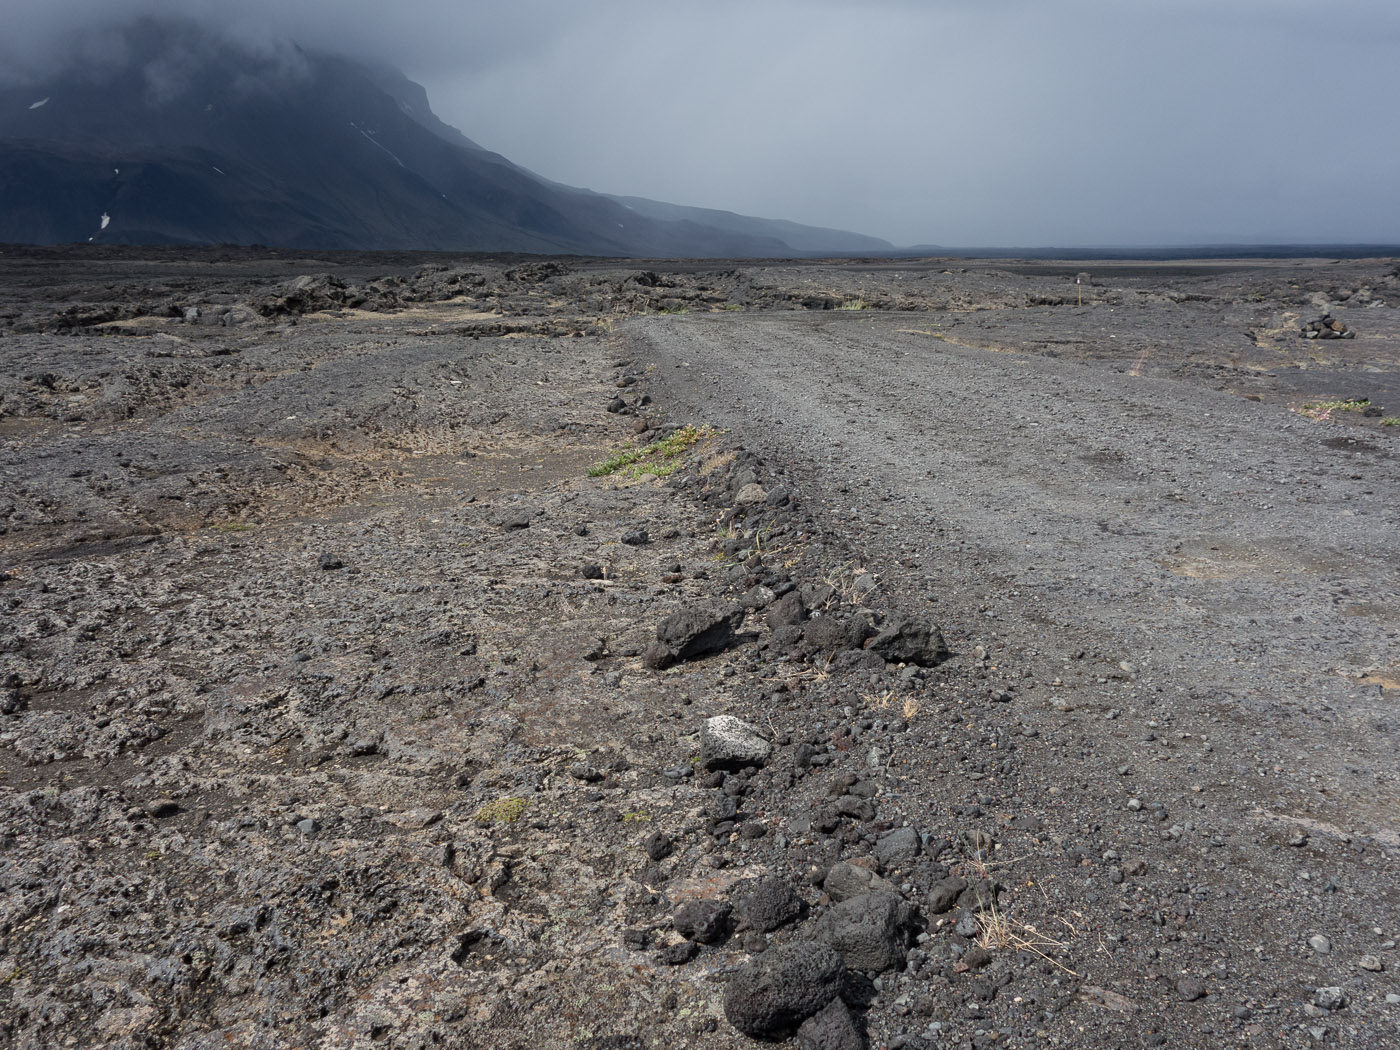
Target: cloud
(426, 35)
(993, 122)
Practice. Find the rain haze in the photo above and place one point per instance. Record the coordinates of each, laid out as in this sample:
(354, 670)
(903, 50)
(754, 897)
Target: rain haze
(952, 122)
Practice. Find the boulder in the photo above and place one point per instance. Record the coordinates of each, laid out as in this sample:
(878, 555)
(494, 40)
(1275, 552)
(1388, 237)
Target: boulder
(702, 921)
(772, 995)
(750, 495)
(770, 904)
(832, 632)
(690, 633)
(785, 638)
(830, 1028)
(910, 642)
(658, 845)
(846, 880)
(787, 611)
(898, 847)
(871, 931)
(942, 895)
(731, 743)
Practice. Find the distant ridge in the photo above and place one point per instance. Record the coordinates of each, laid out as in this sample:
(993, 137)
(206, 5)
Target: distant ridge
(196, 139)
(1198, 251)
(805, 239)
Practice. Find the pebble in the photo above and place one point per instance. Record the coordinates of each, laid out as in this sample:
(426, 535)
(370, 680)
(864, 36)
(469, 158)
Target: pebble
(1319, 944)
(1372, 963)
(1189, 989)
(1330, 998)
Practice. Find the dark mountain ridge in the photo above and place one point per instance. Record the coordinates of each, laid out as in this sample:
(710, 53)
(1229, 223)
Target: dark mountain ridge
(189, 137)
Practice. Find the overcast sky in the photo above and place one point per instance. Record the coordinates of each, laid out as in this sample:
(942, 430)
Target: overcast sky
(956, 122)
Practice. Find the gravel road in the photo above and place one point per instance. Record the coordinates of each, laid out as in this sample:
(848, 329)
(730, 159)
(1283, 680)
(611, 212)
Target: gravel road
(1236, 560)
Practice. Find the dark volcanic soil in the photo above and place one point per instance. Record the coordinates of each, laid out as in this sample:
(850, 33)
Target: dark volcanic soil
(331, 709)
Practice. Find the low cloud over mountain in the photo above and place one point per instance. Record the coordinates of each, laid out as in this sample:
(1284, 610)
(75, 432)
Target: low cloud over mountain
(182, 133)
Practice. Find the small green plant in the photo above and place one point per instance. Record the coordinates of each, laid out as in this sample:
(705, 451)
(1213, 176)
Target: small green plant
(1390, 421)
(855, 304)
(637, 816)
(502, 811)
(1322, 410)
(660, 457)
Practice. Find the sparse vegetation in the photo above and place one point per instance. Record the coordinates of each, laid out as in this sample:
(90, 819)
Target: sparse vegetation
(850, 581)
(880, 701)
(502, 811)
(660, 457)
(717, 461)
(997, 931)
(1322, 410)
(1391, 421)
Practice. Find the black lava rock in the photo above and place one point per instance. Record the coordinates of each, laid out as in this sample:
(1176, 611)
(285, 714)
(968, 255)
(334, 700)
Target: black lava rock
(771, 996)
(705, 922)
(658, 845)
(831, 1028)
(871, 931)
(770, 904)
(910, 642)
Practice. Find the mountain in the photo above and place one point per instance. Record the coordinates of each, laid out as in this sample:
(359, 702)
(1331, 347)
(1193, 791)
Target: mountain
(806, 240)
(184, 136)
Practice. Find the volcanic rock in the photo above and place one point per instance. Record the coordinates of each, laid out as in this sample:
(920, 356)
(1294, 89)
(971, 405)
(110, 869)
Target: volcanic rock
(871, 931)
(771, 996)
(730, 743)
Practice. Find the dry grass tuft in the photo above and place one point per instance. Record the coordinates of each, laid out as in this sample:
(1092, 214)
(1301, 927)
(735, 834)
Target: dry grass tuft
(713, 463)
(998, 931)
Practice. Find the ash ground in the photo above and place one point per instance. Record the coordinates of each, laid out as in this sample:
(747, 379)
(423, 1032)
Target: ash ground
(326, 720)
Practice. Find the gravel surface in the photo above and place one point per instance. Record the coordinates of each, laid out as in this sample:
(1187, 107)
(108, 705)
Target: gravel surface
(1240, 559)
(393, 653)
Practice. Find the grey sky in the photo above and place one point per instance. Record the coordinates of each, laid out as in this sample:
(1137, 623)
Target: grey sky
(959, 122)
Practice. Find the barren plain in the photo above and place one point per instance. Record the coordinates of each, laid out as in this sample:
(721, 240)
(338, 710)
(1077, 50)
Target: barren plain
(414, 651)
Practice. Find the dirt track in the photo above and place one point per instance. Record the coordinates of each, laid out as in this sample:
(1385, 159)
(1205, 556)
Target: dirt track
(1242, 558)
